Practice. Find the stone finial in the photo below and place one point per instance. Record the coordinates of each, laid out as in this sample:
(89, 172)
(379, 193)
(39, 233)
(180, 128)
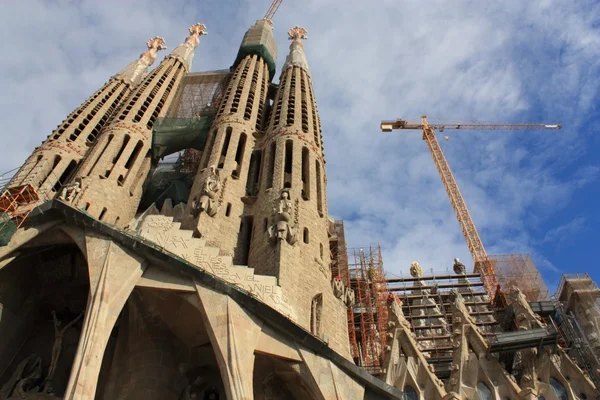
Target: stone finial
(459, 268)
(297, 33)
(185, 51)
(135, 71)
(415, 269)
(296, 58)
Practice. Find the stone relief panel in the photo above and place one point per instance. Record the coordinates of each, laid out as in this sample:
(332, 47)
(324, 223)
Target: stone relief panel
(165, 233)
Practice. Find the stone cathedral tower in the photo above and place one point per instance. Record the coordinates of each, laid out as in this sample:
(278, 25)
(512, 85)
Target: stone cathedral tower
(53, 163)
(219, 283)
(112, 174)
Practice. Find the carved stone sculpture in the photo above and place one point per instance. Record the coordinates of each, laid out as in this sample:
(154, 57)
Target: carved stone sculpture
(209, 202)
(459, 268)
(284, 227)
(415, 269)
(338, 287)
(349, 297)
(70, 191)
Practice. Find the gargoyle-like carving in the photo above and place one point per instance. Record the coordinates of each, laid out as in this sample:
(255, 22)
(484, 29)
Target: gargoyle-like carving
(208, 198)
(338, 287)
(349, 297)
(283, 228)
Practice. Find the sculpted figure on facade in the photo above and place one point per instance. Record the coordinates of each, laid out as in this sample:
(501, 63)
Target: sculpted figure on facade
(209, 201)
(459, 268)
(71, 190)
(349, 297)
(338, 287)
(284, 228)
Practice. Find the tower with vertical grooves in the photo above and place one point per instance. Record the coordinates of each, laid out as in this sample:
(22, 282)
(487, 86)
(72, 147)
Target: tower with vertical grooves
(52, 163)
(112, 175)
(293, 164)
(230, 145)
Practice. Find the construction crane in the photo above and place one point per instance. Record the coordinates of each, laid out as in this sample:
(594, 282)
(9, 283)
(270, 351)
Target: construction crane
(482, 263)
(272, 10)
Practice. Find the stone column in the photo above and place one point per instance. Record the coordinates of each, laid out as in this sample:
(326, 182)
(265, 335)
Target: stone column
(113, 275)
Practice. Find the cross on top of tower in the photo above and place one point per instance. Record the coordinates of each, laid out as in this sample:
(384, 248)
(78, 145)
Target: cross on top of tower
(297, 33)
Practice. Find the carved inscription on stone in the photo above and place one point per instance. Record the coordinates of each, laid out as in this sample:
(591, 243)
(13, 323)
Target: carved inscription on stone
(162, 231)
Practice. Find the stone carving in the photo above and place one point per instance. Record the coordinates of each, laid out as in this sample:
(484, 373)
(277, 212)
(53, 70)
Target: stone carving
(338, 287)
(208, 197)
(297, 33)
(70, 191)
(283, 229)
(459, 268)
(349, 297)
(57, 348)
(185, 51)
(415, 269)
(135, 72)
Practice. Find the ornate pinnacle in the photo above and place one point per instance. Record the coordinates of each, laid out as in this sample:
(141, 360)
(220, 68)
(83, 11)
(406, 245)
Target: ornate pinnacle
(297, 33)
(198, 29)
(156, 43)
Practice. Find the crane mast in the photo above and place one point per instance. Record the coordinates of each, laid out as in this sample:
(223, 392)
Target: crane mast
(272, 10)
(481, 260)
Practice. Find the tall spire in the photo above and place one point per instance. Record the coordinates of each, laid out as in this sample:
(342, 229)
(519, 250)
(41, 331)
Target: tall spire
(133, 73)
(296, 58)
(185, 51)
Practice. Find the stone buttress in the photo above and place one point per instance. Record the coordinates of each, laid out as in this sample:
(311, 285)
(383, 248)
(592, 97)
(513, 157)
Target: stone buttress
(218, 208)
(51, 164)
(111, 176)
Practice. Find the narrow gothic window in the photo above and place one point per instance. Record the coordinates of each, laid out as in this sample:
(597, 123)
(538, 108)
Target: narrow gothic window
(305, 175)
(100, 154)
(225, 147)
(118, 155)
(315, 314)
(208, 149)
(239, 156)
(131, 161)
(321, 252)
(305, 235)
(253, 173)
(65, 175)
(271, 166)
(319, 189)
(289, 153)
(102, 214)
(228, 210)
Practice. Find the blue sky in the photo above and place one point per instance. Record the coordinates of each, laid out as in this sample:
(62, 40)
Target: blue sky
(460, 61)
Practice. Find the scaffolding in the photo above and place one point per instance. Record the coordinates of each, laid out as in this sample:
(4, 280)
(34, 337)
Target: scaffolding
(188, 119)
(518, 270)
(370, 315)
(339, 268)
(426, 305)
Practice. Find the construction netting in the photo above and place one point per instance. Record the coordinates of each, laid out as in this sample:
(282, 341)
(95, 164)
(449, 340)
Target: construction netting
(191, 113)
(518, 270)
(260, 50)
(7, 228)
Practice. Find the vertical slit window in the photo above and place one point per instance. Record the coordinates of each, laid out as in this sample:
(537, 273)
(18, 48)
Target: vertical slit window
(102, 214)
(225, 147)
(118, 155)
(289, 154)
(141, 173)
(101, 153)
(239, 156)
(131, 161)
(228, 210)
(319, 189)
(305, 235)
(52, 172)
(305, 174)
(291, 105)
(253, 173)
(208, 149)
(65, 175)
(271, 166)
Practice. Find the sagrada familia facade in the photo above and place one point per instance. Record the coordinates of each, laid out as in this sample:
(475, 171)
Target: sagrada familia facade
(225, 291)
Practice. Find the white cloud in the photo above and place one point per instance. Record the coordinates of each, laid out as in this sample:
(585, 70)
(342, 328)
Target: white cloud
(532, 61)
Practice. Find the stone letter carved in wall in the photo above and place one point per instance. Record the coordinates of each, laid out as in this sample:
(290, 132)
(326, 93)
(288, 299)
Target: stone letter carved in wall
(284, 228)
(208, 197)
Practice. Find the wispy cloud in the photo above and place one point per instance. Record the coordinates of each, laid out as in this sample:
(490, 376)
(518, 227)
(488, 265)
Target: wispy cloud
(534, 61)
